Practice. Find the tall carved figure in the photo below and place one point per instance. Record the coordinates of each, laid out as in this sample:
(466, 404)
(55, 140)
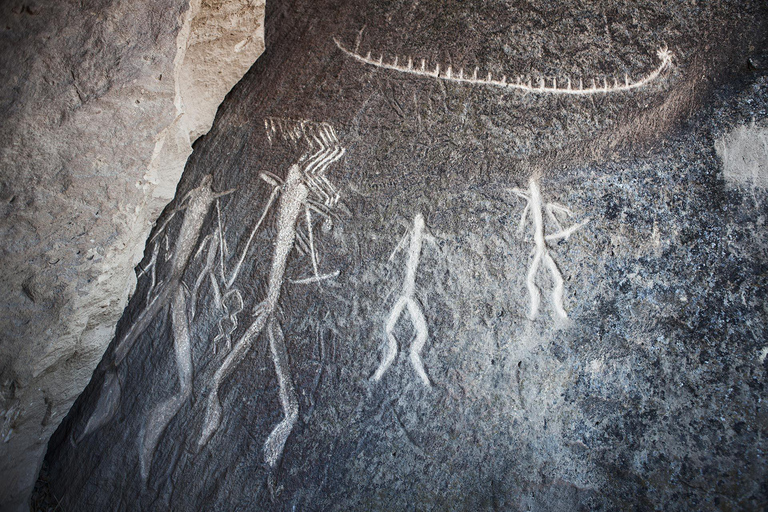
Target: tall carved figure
(196, 204)
(306, 188)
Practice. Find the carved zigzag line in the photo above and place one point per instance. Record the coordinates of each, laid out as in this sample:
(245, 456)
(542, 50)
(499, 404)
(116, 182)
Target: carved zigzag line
(323, 150)
(543, 87)
(295, 130)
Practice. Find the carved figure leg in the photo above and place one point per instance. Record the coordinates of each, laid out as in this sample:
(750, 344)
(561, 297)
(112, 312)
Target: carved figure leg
(273, 447)
(208, 269)
(164, 412)
(557, 291)
(213, 410)
(152, 268)
(533, 290)
(420, 325)
(391, 352)
(109, 398)
(312, 253)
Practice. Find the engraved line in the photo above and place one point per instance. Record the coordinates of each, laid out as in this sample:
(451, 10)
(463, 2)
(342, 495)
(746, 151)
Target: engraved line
(273, 447)
(391, 349)
(312, 253)
(422, 333)
(664, 55)
(231, 315)
(236, 271)
(314, 279)
(164, 412)
(210, 262)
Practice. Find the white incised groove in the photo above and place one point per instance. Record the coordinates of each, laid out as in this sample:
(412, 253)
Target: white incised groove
(406, 300)
(161, 415)
(536, 208)
(273, 446)
(304, 188)
(520, 84)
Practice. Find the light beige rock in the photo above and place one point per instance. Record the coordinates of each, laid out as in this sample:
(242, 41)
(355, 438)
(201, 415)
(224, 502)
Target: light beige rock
(744, 153)
(100, 108)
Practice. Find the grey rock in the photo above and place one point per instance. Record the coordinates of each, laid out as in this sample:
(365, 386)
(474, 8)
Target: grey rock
(383, 348)
(101, 102)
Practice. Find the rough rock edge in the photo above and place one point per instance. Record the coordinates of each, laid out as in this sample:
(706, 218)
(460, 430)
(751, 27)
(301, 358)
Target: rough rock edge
(212, 55)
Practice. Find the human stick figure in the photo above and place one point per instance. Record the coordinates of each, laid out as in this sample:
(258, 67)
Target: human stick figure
(536, 208)
(305, 187)
(406, 301)
(196, 204)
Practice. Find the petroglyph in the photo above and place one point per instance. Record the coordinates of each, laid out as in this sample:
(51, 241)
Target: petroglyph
(105, 409)
(536, 209)
(151, 268)
(324, 149)
(315, 279)
(306, 188)
(273, 446)
(196, 204)
(236, 271)
(227, 298)
(293, 194)
(542, 85)
(207, 271)
(406, 301)
(231, 306)
(162, 414)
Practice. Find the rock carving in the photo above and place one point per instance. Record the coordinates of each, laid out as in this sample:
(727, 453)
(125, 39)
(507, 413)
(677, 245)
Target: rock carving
(524, 84)
(151, 268)
(163, 413)
(306, 186)
(541, 252)
(406, 300)
(197, 203)
(227, 299)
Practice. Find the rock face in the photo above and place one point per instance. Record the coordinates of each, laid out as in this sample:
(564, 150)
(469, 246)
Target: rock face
(422, 281)
(101, 102)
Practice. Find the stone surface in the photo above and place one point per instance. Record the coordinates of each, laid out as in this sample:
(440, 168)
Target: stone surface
(101, 101)
(273, 388)
(744, 152)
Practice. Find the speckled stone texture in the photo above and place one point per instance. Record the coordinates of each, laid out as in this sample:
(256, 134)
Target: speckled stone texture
(613, 209)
